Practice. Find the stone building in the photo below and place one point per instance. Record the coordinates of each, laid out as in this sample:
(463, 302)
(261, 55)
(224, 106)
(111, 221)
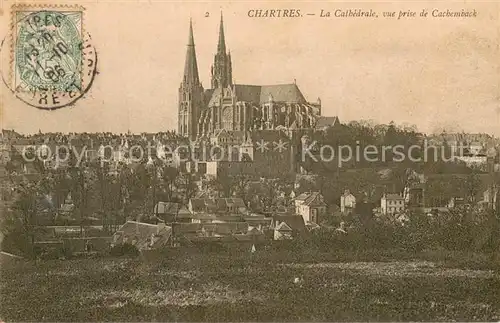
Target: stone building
(237, 107)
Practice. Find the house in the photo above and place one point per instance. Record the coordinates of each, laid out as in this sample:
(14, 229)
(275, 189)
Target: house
(67, 208)
(311, 206)
(473, 160)
(223, 229)
(414, 195)
(216, 218)
(258, 221)
(230, 232)
(72, 239)
(324, 123)
(294, 222)
(475, 147)
(347, 202)
(217, 206)
(252, 236)
(282, 231)
(392, 203)
(143, 236)
(224, 137)
(172, 212)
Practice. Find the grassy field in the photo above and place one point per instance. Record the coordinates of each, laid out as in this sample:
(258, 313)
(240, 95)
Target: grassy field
(260, 287)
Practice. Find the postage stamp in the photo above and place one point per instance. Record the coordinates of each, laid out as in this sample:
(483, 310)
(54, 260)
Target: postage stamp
(53, 62)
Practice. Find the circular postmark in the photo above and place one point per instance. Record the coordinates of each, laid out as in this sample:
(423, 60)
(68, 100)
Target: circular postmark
(53, 62)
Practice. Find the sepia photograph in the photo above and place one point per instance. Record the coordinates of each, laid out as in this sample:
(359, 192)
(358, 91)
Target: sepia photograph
(253, 161)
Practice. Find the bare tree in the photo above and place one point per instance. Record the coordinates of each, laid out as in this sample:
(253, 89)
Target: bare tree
(472, 185)
(186, 184)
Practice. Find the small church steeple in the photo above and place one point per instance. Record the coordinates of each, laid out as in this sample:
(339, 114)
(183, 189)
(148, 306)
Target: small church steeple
(221, 71)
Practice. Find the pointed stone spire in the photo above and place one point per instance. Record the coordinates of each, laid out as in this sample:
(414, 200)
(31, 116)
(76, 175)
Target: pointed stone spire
(191, 65)
(221, 71)
(221, 46)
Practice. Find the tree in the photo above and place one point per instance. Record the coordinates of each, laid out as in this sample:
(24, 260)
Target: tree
(472, 185)
(139, 188)
(187, 185)
(222, 184)
(270, 189)
(124, 183)
(231, 185)
(240, 186)
(81, 193)
(168, 176)
(20, 224)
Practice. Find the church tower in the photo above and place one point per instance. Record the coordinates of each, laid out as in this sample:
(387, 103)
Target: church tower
(221, 72)
(190, 92)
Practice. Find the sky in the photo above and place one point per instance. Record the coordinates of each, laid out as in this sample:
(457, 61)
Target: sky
(432, 72)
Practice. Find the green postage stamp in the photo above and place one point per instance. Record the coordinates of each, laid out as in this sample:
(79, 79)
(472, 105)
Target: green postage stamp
(53, 61)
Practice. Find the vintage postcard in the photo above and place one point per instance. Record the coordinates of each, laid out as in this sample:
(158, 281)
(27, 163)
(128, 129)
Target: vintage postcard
(249, 161)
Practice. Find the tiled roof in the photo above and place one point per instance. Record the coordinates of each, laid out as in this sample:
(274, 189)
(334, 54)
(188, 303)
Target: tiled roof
(293, 221)
(248, 93)
(167, 208)
(315, 199)
(311, 199)
(216, 205)
(67, 208)
(187, 228)
(312, 226)
(282, 93)
(282, 226)
(326, 121)
(302, 197)
(142, 233)
(183, 211)
(197, 204)
(226, 228)
(258, 220)
(394, 197)
(259, 94)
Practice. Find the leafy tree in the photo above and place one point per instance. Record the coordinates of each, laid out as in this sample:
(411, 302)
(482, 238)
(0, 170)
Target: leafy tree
(19, 227)
(472, 185)
(187, 186)
(168, 176)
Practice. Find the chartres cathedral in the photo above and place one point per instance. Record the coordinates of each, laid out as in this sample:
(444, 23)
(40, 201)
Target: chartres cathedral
(237, 107)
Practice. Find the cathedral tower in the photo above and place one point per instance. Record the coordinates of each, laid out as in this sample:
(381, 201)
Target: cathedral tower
(221, 72)
(190, 92)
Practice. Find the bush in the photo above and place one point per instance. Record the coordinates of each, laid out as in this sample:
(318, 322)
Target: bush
(124, 249)
(52, 253)
(17, 242)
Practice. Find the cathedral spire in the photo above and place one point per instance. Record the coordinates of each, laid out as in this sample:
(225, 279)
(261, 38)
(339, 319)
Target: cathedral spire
(221, 71)
(191, 65)
(221, 46)
(190, 92)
